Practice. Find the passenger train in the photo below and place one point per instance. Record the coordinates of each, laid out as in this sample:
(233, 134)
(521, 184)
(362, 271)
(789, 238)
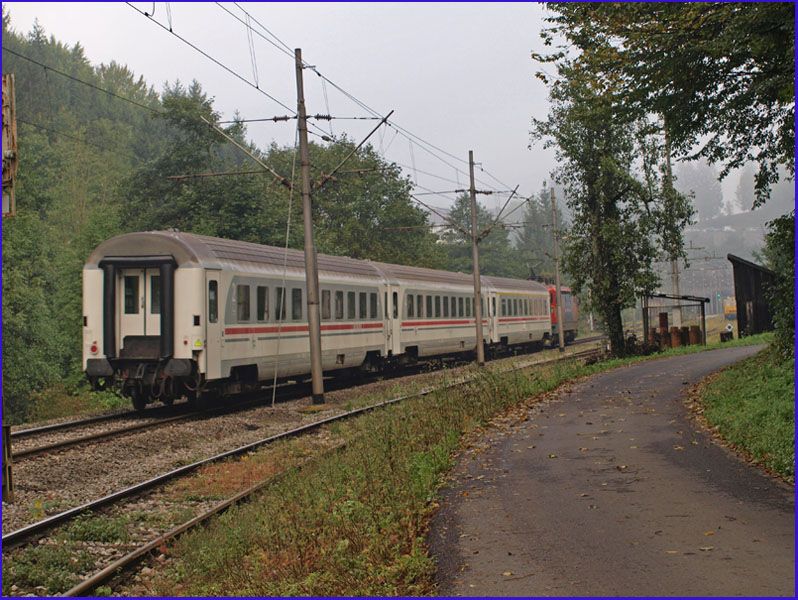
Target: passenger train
(168, 314)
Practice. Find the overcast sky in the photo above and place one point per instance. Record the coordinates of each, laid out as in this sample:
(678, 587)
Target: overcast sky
(459, 76)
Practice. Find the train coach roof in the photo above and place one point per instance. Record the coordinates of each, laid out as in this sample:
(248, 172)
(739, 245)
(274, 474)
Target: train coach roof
(190, 249)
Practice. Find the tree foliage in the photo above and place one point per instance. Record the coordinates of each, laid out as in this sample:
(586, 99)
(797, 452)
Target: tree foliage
(535, 244)
(721, 74)
(93, 166)
(624, 209)
(779, 252)
(496, 254)
(699, 181)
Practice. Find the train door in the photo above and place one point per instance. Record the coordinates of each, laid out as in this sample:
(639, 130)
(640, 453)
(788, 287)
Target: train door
(152, 302)
(395, 321)
(214, 310)
(131, 308)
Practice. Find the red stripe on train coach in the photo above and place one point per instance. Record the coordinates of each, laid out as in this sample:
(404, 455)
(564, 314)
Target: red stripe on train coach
(295, 328)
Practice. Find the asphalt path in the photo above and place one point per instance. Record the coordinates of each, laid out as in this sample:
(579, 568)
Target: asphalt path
(608, 488)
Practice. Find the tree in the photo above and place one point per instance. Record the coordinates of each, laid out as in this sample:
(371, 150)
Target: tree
(699, 181)
(496, 254)
(721, 74)
(779, 252)
(535, 243)
(620, 220)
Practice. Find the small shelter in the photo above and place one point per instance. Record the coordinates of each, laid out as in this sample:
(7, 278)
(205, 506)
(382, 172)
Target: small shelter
(751, 283)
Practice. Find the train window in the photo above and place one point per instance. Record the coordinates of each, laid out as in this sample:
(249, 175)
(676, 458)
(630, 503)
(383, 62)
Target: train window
(155, 294)
(213, 301)
(373, 305)
(460, 307)
(339, 305)
(280, 304)
(325, 304)
(419, 305)
(242, 302)
(504, 307)
(437, 306)
(410, 311)
(429, 312)
(482, 306)
(468, 307)
(515, 307)
(362, 301)
(131, 294)
(350, 305)
(446, 306)
(396, 305)
(385, 298)
(262, 312)
(296, 304)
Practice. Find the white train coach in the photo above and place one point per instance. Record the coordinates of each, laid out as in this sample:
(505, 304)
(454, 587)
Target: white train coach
(168, 314)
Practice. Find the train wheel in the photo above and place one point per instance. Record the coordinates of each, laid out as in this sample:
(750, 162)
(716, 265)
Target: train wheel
(138, 399)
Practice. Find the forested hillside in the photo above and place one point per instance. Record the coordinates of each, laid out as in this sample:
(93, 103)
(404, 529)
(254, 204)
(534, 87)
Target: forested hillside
(94, 164)
(99, 152)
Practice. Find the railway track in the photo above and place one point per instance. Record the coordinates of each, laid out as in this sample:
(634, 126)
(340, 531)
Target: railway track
(162, 416)
(37, 530)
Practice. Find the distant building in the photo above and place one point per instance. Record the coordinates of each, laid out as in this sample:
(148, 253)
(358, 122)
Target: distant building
(751, 283)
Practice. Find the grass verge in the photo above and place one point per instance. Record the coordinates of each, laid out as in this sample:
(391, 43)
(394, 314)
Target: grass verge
(354, 523)
(751, 406)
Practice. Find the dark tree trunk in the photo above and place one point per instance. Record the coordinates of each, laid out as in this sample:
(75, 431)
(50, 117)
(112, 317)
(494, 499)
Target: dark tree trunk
(614, 325)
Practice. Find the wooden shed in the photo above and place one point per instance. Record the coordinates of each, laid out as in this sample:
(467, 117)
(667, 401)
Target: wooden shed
(751, 284)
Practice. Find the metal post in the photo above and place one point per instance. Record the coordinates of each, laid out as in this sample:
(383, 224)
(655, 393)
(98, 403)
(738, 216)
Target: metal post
(703, 325)
(560, 332)
(644, 305)
(475, 257)
(677, 314)
(8, 479)
(311, 269)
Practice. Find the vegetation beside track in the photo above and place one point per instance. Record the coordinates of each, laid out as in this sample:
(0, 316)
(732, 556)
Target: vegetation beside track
(61, 401)
(751, 406)
(355, 523)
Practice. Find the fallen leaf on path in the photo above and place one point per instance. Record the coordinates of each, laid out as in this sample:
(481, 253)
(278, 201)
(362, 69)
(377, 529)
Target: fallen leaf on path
(678, 448)
(706, 548)
(507, 573)
(671, 552)
(552, 456)
(709, 533)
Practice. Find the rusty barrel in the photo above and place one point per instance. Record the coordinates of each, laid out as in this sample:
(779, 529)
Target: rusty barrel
(676, 337)
(684, 333)
(695, 334)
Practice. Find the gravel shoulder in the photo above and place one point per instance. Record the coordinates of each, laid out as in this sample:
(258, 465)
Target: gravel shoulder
(608, 488)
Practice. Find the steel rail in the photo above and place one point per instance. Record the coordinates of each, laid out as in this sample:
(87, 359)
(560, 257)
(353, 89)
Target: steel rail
(19, 536)
(115, 568)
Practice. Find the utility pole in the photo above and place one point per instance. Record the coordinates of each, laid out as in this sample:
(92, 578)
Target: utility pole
(10, 158)
(558, 292)
(677, 315)
(311, 268)
(475, 258)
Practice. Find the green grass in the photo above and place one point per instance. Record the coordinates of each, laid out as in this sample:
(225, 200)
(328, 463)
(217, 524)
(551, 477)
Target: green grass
(752, 405)
(98, 528)
(55, 568)
(59, 401)
(353, 523)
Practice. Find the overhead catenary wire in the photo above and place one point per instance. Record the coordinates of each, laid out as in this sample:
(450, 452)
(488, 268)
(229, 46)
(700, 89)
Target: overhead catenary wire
(218, 63)
(417, 140)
